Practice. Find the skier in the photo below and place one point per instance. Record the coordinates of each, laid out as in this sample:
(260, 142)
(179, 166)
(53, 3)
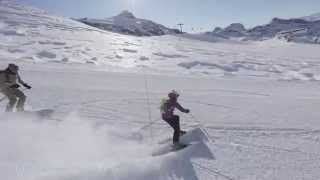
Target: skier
(9, 79)
(167, 112)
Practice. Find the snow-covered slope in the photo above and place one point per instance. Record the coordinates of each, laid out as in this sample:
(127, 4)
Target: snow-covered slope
(252, 116)
(34, 36)
(127, 23)
(261, 129)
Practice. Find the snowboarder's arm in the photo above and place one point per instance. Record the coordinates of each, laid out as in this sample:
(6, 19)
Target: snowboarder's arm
(178, 106)
(20, 80)
(23, 83)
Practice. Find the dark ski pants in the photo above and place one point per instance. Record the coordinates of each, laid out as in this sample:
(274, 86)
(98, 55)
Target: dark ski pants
(16, 98)
(174, 122)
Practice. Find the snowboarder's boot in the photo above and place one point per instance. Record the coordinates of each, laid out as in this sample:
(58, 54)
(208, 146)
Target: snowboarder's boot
(182, 132)
(177, 146)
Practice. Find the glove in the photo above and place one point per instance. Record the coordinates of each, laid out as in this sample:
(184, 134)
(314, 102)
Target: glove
(187, 111)
(27, 86)
(15, 86)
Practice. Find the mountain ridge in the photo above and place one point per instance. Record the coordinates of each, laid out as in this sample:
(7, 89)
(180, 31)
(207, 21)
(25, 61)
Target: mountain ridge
(305, 30)
(127, 23)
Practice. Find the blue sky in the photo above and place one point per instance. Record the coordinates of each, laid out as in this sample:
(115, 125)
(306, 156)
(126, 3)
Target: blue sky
(197, 14)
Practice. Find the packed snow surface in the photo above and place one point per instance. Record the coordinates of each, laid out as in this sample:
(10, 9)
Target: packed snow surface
(254, 105)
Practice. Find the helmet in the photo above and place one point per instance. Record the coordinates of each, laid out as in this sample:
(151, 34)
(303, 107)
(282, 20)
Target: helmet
(13, 68)
(173, 94)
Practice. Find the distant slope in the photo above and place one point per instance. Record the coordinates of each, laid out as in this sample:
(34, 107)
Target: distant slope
(32, 35)
(127, 23)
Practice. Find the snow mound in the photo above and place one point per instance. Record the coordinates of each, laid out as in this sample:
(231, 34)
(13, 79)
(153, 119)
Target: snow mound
(13, 32)
(46, 54)
(300, 75)
(195, 135)
(169, 55)
(226, 68)
(195, 138)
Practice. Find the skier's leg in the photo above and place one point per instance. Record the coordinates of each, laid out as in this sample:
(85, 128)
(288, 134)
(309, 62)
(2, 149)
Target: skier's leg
(22, 99)
(176, 127)
(174, 123)
(182, 132)
(12, 99)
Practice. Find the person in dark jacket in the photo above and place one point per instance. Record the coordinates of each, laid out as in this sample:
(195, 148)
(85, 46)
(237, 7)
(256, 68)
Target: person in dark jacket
(167, 112)
(9, 79)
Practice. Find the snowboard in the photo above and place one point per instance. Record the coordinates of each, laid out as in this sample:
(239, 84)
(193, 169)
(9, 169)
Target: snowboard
(167, 140)
(168, 149)
(192, 137)
(33, 114)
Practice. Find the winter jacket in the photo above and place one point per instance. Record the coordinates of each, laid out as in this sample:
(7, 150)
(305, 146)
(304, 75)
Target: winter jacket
(8, 78)
(168, 107)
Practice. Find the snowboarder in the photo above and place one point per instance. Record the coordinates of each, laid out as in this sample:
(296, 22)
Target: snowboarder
(167, 112)
(9, 79)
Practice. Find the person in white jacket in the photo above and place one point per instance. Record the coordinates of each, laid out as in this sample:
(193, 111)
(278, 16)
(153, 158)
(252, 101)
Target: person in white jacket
(9, 86)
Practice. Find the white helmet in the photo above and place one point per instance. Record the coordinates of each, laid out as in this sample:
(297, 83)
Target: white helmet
(173, 94)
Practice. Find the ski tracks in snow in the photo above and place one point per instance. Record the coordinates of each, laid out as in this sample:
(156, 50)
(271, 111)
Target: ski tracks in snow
(260, 141)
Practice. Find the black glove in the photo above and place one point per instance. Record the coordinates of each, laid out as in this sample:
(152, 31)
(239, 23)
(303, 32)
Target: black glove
(27, 86)
(187, 111)
(15, 86)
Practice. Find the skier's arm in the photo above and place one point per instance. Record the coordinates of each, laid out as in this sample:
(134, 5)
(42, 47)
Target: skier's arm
(23, 83)
(178, 106)
(20, 80)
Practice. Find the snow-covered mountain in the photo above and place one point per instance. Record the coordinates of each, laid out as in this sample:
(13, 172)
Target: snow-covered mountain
(233, 30)
(127, 23)
(298, 30)
(313, 17)
(32, 35)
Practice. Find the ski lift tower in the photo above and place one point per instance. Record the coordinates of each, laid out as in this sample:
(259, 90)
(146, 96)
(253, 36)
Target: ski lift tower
(180, 24)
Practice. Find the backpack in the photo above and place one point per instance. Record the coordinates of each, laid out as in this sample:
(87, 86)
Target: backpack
(163, 105)
(4, 76)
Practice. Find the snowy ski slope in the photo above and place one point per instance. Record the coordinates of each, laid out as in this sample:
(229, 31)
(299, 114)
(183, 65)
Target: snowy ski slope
(258, 102)
(31, 35)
